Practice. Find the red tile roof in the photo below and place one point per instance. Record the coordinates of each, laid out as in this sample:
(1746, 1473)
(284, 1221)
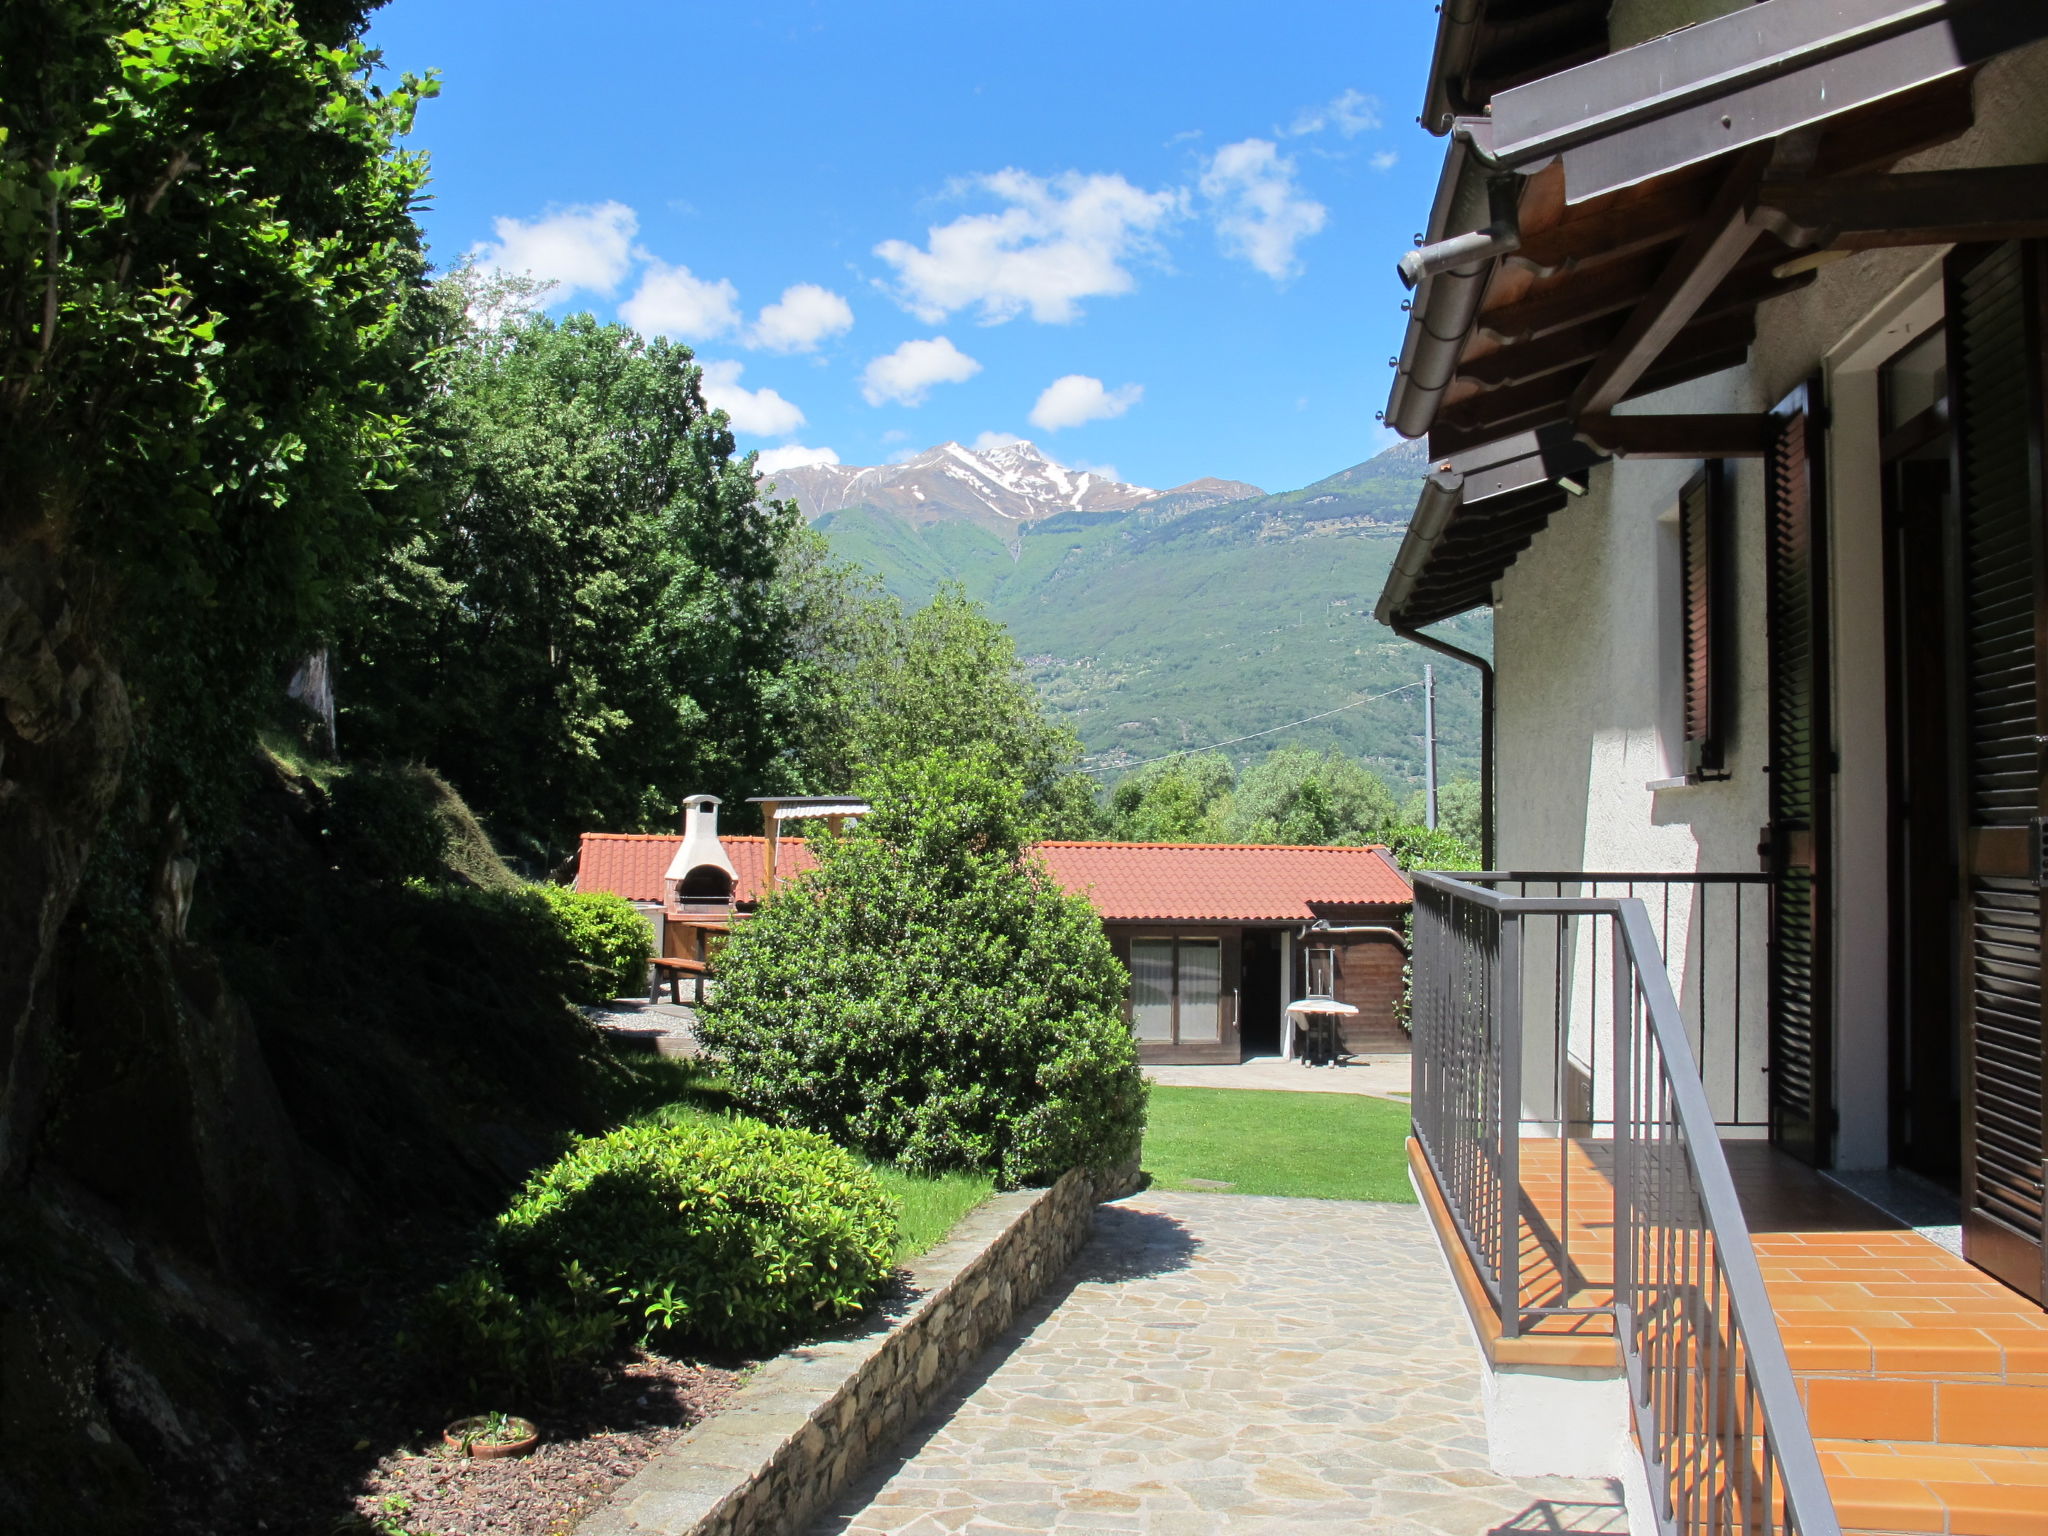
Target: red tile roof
(631, 864)
(1224, 882)
(1126, 882)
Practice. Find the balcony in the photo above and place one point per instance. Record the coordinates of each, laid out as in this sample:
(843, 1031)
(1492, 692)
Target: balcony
(1792, 1359)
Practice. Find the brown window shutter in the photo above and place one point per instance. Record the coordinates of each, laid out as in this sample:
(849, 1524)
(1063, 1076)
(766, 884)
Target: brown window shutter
(1796, 841)
(1996, 299)
(1702, 555)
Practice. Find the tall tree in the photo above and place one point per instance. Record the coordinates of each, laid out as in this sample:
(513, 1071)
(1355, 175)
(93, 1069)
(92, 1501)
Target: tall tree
(1294, 795)
(897, 686)
(590, 626)
(1176, 800)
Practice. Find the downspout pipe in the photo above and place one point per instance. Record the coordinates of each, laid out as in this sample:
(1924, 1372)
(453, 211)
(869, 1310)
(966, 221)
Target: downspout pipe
(1485, 669)
(1443, 492)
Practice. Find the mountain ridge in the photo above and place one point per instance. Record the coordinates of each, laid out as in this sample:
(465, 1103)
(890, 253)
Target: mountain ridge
(1156, 626)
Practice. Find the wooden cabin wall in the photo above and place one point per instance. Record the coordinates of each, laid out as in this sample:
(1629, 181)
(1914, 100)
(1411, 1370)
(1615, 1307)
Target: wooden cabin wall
(1369, 969)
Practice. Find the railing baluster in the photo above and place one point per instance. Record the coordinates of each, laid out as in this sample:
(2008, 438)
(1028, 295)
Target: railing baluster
(1716, 1411)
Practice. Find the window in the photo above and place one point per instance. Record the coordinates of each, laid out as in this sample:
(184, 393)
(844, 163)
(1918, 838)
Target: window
(1177, 991)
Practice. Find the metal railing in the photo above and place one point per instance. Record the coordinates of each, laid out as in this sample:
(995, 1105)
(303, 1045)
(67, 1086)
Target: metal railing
(1717, 1415)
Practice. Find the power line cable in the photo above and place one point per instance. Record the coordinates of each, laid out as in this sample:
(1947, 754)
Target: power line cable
(1255, 735)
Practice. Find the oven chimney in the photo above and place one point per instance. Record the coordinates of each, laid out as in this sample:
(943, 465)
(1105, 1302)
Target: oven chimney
(701, 848)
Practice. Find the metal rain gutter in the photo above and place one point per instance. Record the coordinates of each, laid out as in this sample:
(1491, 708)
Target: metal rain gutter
(1754, 74)
(1449, 273)
(1457, 37)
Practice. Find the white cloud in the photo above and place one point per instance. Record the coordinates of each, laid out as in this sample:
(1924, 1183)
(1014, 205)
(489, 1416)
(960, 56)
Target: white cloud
(1260, 213)
(1100, 471)
(586, 248)
(794, 456)
(756, 412)
(988, 440)
(804, 316)
(675, 302)
(1056, 242)
(903, 455)
(1384, 160)
(1078, 399)
(908, 374)
(1351, 114)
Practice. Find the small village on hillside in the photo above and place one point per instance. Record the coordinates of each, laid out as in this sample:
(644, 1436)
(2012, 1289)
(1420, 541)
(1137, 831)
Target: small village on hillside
(686, 849)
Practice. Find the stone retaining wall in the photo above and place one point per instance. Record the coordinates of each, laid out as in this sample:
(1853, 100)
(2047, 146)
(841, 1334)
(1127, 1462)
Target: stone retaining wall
(810, 1421)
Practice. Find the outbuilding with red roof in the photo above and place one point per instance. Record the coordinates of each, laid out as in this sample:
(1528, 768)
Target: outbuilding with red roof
(1219, 938)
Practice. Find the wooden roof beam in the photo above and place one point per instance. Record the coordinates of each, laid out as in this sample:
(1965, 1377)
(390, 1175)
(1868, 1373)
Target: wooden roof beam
(1978, 203)
(1677, 437)
(1703, 260)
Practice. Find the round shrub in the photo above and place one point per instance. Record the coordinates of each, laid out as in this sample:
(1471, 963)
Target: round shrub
(929, 995)
(725, 1233)
(611, 936)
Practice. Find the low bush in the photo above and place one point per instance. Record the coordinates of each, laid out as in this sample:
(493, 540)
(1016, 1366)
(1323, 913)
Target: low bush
(929, 995)
(611, 936)
(476, 1331)
(723, 1233)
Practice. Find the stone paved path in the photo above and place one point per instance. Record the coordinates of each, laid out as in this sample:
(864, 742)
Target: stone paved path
(1225, 1363)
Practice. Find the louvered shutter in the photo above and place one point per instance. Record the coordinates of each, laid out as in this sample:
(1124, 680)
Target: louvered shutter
(1995, 300)
(1801, 761)
(1701, 551)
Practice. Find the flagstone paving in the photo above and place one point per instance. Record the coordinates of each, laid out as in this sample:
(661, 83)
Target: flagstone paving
(1225, 1363)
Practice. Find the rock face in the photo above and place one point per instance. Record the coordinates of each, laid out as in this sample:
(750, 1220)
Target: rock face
(997, 488)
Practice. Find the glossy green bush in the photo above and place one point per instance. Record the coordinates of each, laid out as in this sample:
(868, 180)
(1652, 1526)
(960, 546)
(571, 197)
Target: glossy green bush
(725, 1234)
(611, 936)
(929, 995)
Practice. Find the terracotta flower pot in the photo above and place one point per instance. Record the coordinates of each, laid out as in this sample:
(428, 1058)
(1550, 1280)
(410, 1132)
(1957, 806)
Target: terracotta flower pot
(465, 1436)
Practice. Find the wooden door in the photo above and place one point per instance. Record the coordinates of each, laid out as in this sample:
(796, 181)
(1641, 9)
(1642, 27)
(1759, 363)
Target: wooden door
(1995, 298)
(1795, 843)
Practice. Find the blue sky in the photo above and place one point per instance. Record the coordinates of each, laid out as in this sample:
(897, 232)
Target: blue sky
(1154, 238)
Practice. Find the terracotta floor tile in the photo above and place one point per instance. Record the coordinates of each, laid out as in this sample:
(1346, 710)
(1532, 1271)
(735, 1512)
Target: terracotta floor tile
(1934, 1349)
(1984, 1510)
(1871, 1409)
(1821, 1347)
(1886, 1504)
(1974, 1413)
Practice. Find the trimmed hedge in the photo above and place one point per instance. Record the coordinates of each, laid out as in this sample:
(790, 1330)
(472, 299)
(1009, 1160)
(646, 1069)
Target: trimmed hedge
(725, 1233)
(611, 936)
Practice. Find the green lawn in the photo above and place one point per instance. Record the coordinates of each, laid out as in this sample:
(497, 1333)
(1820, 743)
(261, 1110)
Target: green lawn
(1331, 1146)
(930, 1206)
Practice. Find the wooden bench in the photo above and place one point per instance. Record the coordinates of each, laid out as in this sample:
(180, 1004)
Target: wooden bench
(669, 969)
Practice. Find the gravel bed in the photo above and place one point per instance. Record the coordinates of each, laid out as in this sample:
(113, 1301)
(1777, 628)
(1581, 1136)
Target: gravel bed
(603, 1441)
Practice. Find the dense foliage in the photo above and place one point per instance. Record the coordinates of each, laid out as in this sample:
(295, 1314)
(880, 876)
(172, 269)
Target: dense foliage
(609, 934)
(929, 995)
(589, 623)
(209, 290)
(721, 1233)
(1291, 795)
(895, 685)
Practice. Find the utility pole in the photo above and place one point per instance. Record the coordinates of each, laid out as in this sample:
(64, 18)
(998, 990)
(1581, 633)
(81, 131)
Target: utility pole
(1429, 744)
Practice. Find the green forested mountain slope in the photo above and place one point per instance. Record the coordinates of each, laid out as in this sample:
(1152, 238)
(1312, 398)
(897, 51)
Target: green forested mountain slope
(1150, 631)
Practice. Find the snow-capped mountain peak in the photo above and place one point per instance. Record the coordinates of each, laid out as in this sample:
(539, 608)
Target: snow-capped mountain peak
(1001, 486)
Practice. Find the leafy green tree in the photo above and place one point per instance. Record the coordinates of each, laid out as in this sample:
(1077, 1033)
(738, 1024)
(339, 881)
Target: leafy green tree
(1177, 800)
(1294, 795)
(1457, 809)
(590, 625)
(891, 687)
(209, 274)
(1418, 847)
(929, 994)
